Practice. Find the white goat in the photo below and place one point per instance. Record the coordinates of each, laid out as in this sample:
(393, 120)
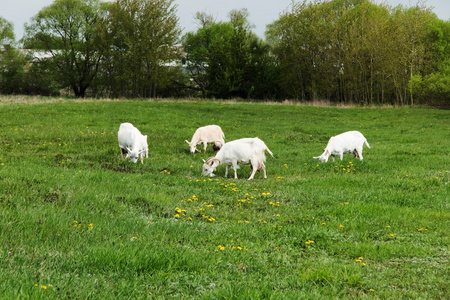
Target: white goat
(132, 143)
(211, 134)
(243, 151)
(347, 142)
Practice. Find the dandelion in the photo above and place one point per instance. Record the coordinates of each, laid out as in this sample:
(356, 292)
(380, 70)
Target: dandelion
(341, 226)
(421, 229)
(372, 290)
(392, 234)
(90, 226)
(220, 248)
(309, 242)
(177, 215)
(323, 224)
(44, 287)
(387, 226)
(285, 165)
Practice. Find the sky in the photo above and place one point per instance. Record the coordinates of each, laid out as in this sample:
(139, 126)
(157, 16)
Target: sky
(261, 12)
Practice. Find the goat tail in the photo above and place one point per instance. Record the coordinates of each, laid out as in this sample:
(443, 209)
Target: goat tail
(367, 144)
(270, 152)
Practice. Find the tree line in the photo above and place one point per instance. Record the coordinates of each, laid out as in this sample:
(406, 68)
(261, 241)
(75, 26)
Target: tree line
(342, 51)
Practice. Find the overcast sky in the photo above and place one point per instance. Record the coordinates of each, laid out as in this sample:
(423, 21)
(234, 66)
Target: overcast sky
(261, 12)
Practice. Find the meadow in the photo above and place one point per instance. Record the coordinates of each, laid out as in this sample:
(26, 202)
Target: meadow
(79, 222)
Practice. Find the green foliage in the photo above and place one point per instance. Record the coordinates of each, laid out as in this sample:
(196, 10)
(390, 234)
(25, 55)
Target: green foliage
(79, 222)
(7, 37)
(139, 38)
(340, 51)
(354, 51)
(226, 60)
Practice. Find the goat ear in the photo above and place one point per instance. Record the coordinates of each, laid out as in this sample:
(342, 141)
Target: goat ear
(187, 142)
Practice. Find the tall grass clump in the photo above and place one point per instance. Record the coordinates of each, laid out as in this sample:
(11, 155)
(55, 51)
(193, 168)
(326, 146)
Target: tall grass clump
(77, 221)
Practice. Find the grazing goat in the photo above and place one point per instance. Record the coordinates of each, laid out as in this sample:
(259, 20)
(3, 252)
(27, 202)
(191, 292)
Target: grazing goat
(347, 142)
(132, 143)
(211, 134)
(243, 151)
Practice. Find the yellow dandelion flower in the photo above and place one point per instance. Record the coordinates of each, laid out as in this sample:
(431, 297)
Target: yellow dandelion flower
(44, 287)
(387, 226)
(177, 215)
(323, 224)
(372, 290)
(341, 226)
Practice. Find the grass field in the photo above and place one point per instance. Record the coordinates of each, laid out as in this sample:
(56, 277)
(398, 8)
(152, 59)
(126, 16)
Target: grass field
(78, 222)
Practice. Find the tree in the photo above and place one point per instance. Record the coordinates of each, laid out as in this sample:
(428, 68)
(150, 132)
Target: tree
(139, 38)
(7, 37)
(226, 60)
(352, 50)
(66, 31)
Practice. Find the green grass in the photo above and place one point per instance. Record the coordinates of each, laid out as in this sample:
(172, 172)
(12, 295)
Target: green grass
(77, 221)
